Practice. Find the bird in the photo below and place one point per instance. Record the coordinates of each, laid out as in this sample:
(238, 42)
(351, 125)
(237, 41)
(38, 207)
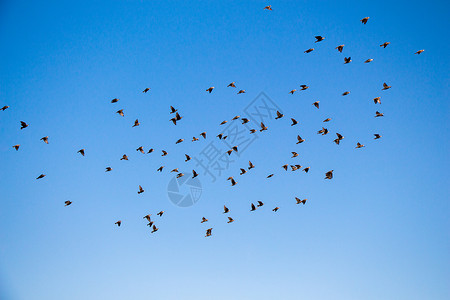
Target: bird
(384, 45)
(115, 100)
(285, 167)
(268, 7)
(420, 51)
(241, 92)
(294, 122)
(160, 213)
(229, 152)
(146, 90)
(368, 60)
(243, 171)
(67, 203)
(299, 139)
(160, 169)
(250, 165)
(180, 175)
(230, 220)
(118, 223)
(377, 100)
(208, 232)
(120, 112)
(327, 120)
(176, 118)
(294, 154)
(225, 209)
(203, 134)
(220, 136)
(340, 48)
(4, 108)
(148, 217)
(41, 176)
(269, 176)
(385, 86)
(347, 60)
(339, 136)
(179, 141)
(364, 20)
(234, 148)
(253, 207)
(224, 122)
(244, 120)
(235, 118)
(204, 220)
(141, 190)
(279, 115)
(150, 223)
(329, 174)
(124, 157)
(300, 201)
(276, 209)
(233, 182)
(45, 139)
(150, 151)
(345, 93)
(136, 123)
(16, 147)
(316, 104)
(378, 114)
(359, 145)
(319, 38)
(194, 174)
(253, 130)
(23, 125)
(155, 229)
(306, 169)
(164, 152)
(309, 50)
(108, 169)
(81, 151)
(260, 203)
(232, 84)
(141, 149)
(174, 170)
(304, 87)
(263, 127)
(292, 92)
(173, 110)
(188, 158)
(294, 168)
(377, 136)
(210, 89)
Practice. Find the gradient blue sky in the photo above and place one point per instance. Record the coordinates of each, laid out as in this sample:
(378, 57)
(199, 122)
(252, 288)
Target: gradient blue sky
(378, 230)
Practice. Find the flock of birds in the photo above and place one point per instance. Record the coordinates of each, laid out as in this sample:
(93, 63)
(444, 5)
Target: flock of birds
(262, 127)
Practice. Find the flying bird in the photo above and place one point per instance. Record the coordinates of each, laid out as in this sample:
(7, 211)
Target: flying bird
(300, 201)
(41, 176)
(329, 174)
(243, 171)
(4, 108)
(276, 209)
(420, 51)
(241, 92)
(368, 60)
(204, 220)
(232, 84)
(118, 223)
(340, 48)
(67, 203)
(263, 127)
(327, 120)
(210, 89)
(173, 110)
(188, 158)
(136, 123)
(294, 154)
(45, 139)
(250, 165)
(384, 45)
(208, 232)
(306, 169)
(269, 176)
(385, 86)
(378, 114)
(377, 136)
(299, 139)
(345, 93)
(309, 50)
(23, 125)
(108, 169)
(115, 100)
(260, 204)
(203, 134)
(155, 229)
(160, 169)
(160, 213)
(364, 20)
(141, 190)
(304, 87)
(359, 145)
(16, 147)
(230, 220)
(81, 151)
(294, 122)
(146, 90)
(316, 104)
(225, 209)
(347, 60)
(120, 112)
(164, 152)
(150, 151)
(194, 174)
(319, 38)
(268, 7)
(148, 217)
(377, 100)
(179, 141)
(253, 207)
(279, 115)
(141, 149)
(292, 92)
(124, 157)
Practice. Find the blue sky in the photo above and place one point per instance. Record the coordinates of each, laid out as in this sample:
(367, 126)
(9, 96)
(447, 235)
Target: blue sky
(378, 230)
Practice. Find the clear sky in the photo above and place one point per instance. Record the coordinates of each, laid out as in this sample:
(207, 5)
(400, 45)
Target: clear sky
(378, 230)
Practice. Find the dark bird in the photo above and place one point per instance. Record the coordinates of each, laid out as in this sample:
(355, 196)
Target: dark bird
(155, 229)
(285, 167)
(300, 201)
(203, 134)
(269, 176)
(299, 139)
(316, 104)
(148, 217)
(225, 209)
(45, 139)
(81, 151)
(364, 20)
(188, 158)
(279, 115)
(41, 176)
(4, 107)
(243, 171)
(378, 114)
(180, 175)
(250, 165)
(253, 207)
(276, 209)
(294, 122)
(233, 182)
(347, 60)
(263, 127)
(224, 122)
(194, 174)
(16, 147)
(385, 86)
(141, 149)
(146, 90)
(235, 118)
(329, 174)
(377, 100)
(23, 125)
(340, 48)
(230, 220)
(124, 157)
(241, 92)
(141, 190)
(120, 112)
(339, 136)
(150, 223)
(204, 220)
(164, 152)
(319, 38)
(210, 89)
(108, 169)
(306, 169)
(136, 123)
(150, 151)
(118, 223)
(304, 87)
(173, 110)
(160, 213)
(368, 60)
(179, 141)
(67, 203)
(244, 120)
(294, 154)
(292, 92)
(384, 45)
(208, 232)
(377, 136)
(115, 100)
(345, 93)
(220, 136)
(229, 151)
(160, 169)
(327, 120)
(420, 51)
(260, 204)
(253, 130)
(268, 7)
(359, 145)
(309, 50)
(232, 84)
(174, 170)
